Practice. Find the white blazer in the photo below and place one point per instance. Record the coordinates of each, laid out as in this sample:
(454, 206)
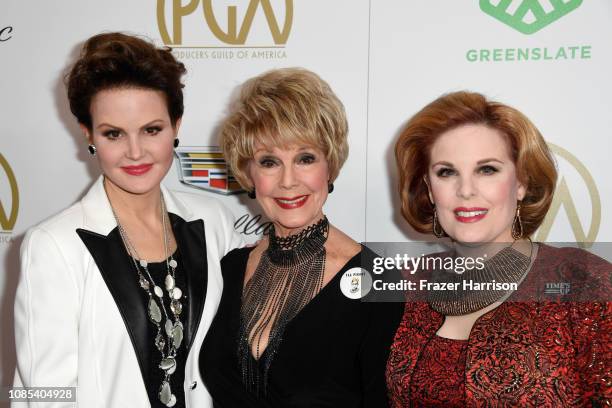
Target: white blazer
(70, 330)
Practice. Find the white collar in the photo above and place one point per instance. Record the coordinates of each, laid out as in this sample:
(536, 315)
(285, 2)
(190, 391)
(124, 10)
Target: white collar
(98, 214)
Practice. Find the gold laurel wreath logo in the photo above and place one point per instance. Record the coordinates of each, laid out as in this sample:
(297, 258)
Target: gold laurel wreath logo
(563, 198)
(8, 222)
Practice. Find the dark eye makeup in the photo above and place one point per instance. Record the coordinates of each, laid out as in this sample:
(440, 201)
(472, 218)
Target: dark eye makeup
(486, 169)
(307, 158)
(153, 130)
(267, 162)
(111, 133)
(445, 172)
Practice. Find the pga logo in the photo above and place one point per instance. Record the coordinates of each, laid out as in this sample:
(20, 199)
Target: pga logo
(236, 32)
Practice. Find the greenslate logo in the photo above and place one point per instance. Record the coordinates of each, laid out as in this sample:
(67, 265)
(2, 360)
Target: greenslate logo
(528, 16)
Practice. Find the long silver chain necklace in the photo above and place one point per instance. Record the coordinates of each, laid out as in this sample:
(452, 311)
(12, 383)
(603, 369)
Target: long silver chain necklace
(506, 267)
(168, 340)
(288, 276)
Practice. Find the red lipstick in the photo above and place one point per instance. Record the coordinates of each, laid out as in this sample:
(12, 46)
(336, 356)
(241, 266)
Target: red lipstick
(472, 214)
(291, 203)
(137, 170)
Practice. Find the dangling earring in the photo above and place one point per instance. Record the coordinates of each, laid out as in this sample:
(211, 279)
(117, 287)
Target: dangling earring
(176, 142)
(92, 150)
(252, 194)
(330, 188)
(436, 227)
(517, 230)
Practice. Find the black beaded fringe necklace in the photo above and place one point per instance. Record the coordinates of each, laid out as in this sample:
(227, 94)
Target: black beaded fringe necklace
(288, 276)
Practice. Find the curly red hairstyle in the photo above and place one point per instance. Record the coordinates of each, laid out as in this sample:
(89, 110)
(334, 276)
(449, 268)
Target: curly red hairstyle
(534, 163)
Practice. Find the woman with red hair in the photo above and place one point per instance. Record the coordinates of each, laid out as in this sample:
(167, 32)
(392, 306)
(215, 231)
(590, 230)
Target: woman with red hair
(480, 173)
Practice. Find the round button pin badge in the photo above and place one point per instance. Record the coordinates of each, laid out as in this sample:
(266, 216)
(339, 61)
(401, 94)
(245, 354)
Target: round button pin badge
(356, 283)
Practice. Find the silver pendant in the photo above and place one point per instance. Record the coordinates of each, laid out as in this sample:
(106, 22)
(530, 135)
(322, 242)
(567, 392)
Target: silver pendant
(154, 311)
(169, 326)
(173, 264)
(158, 291)
(169, 282)
(144, 283)
(167, 363)
(177, 335)
(176, 293)
(165, 393)
(176, 307)
(160, 343)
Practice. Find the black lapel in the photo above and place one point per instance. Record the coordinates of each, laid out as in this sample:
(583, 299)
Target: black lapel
(191, 241)
(121, 279)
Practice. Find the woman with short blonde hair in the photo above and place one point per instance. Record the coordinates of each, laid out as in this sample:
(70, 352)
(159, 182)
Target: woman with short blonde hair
(285, 334)
(281, 108)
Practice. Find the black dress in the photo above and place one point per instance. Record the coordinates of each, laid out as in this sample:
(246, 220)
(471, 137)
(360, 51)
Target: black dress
(333, 353)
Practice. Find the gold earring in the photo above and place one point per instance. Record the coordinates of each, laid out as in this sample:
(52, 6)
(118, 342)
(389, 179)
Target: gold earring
(438, 232)
(517, 224)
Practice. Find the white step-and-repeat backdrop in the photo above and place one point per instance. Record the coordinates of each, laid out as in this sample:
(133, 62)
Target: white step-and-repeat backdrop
(552, 59)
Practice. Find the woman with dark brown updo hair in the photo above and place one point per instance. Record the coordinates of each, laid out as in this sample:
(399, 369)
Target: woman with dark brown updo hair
(117, 292)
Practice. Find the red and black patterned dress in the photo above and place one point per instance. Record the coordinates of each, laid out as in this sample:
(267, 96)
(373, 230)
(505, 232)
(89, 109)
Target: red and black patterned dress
(545, 351)
(438, 375)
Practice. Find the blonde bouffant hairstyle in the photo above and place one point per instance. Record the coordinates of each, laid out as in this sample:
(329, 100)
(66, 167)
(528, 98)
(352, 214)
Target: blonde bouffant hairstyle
(281, 108)
(534, 163)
